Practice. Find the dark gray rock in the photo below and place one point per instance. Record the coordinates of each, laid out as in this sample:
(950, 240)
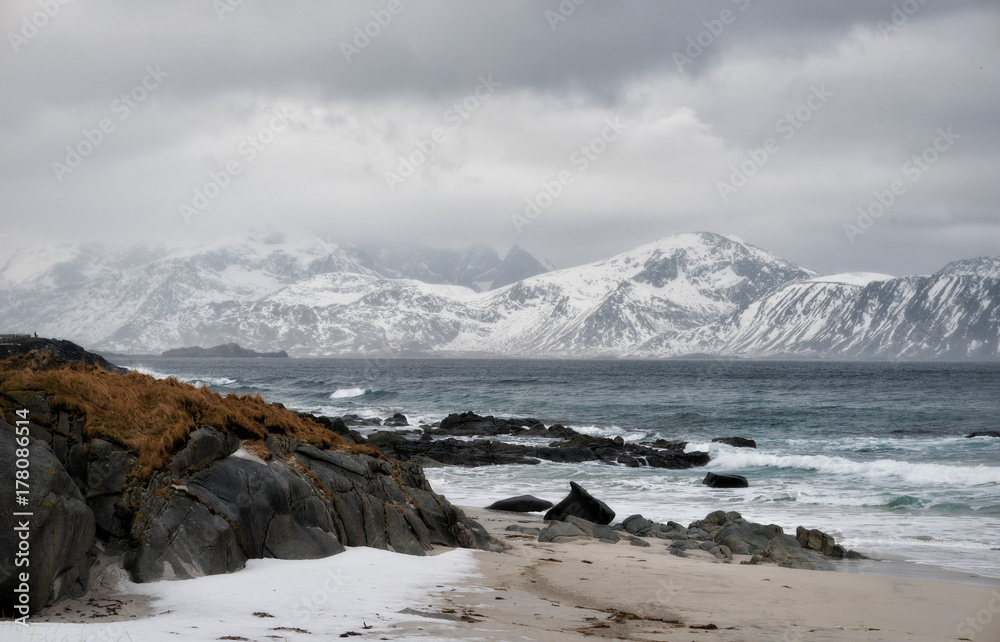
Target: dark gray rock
(204, 446)
(580, 503)
(785, 550)
(108, 470)
(713, 480)
(180, 538)
(61, 529)
(521, 504)
(561, 532)
(985, 433)
(397, 419)
(597, 531)
(736, 442)
(637, 525)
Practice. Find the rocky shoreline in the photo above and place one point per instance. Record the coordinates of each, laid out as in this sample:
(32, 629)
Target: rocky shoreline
(468, 439)
(289, 485)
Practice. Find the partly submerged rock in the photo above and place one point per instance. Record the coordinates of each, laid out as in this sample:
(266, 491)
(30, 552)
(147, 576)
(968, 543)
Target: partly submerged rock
(736, 442)
(713, 480)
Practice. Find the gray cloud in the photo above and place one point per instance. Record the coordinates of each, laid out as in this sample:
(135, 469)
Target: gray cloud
(689, 121)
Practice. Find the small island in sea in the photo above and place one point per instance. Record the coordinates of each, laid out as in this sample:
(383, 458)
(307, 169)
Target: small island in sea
(224, 350)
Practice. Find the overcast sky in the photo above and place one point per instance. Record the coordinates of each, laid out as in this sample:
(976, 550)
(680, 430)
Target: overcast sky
(773, 121)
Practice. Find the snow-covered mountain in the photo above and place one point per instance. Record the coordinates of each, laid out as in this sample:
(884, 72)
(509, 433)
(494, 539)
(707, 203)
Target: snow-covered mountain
(684, 294)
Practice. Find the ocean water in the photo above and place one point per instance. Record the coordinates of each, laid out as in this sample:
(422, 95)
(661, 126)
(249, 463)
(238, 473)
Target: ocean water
(872, 453)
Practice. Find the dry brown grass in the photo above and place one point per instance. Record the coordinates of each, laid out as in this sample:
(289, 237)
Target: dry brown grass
(152, 418)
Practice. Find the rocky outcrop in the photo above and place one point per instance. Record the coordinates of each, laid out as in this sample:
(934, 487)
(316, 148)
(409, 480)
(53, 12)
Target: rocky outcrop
(437, 446)
(41, 353)
(984, 433)
(60, 529)
(218, 501)
(736, 442)
(521, 504)
(580, 503)
(713, 480)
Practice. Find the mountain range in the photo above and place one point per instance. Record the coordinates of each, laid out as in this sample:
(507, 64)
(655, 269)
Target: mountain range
(688, 294)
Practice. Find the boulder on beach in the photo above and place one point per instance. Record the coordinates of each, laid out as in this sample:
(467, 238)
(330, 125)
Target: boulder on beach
(736, 442)
(521, 504)
(725, 481)
(580, 503)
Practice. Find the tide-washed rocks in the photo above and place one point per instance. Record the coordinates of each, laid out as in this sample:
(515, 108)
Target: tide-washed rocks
(521, 504)
(469, 424)
(724, 535)
(713, 480)
(984, 433)
(438, 446)
(736, 442)
(580, 503)
(397, 419)
(816, 540)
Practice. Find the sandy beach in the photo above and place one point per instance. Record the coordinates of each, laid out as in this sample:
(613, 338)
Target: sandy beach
(587, 589)
(576, 590)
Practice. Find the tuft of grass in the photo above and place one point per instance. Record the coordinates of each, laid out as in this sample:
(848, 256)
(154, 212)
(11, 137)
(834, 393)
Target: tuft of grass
(152, 418)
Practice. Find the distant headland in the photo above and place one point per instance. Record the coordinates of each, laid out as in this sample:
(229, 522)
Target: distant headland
(224, 350)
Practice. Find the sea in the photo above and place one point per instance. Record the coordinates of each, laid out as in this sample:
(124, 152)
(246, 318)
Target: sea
(874, 453)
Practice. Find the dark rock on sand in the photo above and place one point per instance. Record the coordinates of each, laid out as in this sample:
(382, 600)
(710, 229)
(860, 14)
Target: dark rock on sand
(521, 504)
(575, 527)
(725, 481)
(736, 442)
(580, 503)
(816, 540)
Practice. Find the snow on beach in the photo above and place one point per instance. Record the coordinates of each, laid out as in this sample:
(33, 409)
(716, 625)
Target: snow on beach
(326, 597)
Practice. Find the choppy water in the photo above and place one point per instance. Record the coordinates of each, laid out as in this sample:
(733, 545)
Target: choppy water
(874, 453)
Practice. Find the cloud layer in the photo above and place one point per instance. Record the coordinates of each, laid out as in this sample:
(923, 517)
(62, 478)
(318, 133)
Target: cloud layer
(400, 122)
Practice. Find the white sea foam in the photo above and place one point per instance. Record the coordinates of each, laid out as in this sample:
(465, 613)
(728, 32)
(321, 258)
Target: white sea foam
(347, 393)
(916, 474)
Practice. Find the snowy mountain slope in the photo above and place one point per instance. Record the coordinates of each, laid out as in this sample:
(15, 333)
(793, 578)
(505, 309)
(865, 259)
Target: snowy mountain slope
(688, 293)
(953, 314)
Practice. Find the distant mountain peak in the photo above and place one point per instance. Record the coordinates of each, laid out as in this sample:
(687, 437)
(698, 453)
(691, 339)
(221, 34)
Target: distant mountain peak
(696, 292)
